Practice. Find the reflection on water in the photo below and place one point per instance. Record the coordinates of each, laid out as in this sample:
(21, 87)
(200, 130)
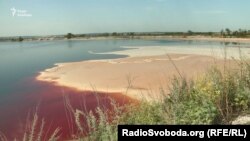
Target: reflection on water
(69, 42)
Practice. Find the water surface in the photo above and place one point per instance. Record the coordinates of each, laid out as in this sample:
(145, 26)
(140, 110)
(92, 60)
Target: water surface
(20, 63)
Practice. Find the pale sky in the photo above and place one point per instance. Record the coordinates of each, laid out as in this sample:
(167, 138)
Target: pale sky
(53, 17)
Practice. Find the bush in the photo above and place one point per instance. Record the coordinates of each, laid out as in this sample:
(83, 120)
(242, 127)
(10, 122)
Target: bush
(216, 97)
(188, 104)
(145, 113)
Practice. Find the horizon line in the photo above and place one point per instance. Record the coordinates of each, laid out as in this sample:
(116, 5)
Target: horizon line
(110, 33)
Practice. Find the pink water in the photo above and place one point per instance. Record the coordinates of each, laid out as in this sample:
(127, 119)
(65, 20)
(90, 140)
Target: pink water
(48, 100)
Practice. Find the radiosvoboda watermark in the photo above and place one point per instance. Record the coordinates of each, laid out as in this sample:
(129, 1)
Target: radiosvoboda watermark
(20, 12)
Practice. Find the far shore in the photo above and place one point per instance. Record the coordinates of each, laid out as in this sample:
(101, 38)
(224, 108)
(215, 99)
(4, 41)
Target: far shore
(187, 38)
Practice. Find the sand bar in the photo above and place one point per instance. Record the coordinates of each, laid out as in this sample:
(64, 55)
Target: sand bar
(207, 50)
(138, 77)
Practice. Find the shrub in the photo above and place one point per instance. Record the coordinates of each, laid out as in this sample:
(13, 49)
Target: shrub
(188, 104)
(145, 113)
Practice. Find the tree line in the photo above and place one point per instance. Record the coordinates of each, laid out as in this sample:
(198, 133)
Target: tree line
(241, 33)
(225, 33)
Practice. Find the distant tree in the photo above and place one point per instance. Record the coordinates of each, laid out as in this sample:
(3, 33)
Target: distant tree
(20, 39)
(210, 33)
(114, 34)
(228, 31)
(131, 34)
(69, 36)
(240, 30)
(243, 33)
(82, 35)
(105, 34)
(190, 32)
(235, 33)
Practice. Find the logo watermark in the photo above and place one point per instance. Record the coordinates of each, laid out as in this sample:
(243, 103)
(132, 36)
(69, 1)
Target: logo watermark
(20, 12)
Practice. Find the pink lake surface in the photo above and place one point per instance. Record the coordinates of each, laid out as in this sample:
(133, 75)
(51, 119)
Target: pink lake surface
(48, 100)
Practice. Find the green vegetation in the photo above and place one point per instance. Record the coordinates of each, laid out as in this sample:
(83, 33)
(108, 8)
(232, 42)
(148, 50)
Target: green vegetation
(215, 98)
(69, 36)
(224, 33)
(241, 33)
(20, 39)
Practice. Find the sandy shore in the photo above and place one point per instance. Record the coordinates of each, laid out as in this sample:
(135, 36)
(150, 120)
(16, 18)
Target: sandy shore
(137, 77)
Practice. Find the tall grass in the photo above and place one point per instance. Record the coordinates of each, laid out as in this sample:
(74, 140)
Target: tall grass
(217, 97)
(35, 132)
